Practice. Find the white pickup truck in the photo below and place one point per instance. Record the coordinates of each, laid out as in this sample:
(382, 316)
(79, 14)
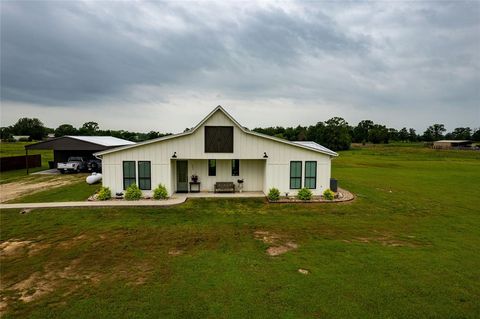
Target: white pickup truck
(74, 165)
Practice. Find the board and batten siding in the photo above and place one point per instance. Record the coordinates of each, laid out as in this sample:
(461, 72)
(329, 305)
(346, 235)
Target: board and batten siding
(264, 173)
(251, 171)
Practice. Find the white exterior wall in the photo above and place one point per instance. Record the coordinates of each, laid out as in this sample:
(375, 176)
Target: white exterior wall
(261, 174)
(251, 171)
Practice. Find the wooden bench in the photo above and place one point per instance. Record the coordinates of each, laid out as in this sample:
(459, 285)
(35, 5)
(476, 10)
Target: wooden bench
(224, 187)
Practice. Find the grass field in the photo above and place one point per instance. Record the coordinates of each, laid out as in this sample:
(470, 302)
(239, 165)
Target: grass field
(407, 247)
(18, 149)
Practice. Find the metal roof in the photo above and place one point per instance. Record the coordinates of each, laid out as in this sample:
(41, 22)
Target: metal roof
(103, 140)
(316, 146)
(84, 143)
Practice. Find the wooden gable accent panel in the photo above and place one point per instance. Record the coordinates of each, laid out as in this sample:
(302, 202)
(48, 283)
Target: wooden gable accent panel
(218, 139)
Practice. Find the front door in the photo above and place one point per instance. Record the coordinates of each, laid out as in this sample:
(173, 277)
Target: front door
(182, 176)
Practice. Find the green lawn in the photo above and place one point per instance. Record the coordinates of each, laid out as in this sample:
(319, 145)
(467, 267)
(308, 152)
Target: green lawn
(407, 247)
(18, 149)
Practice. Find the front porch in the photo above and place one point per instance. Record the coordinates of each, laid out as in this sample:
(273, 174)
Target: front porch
(219, 195)
(210, 172)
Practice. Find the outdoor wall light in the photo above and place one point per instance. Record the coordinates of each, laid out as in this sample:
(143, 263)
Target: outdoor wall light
(265, 155)
(174, 155)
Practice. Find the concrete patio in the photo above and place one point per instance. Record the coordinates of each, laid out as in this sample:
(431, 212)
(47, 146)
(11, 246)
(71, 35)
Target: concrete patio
(219, 195)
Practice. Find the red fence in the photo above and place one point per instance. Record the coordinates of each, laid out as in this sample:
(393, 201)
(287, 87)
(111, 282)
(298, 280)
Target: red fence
(19, 162)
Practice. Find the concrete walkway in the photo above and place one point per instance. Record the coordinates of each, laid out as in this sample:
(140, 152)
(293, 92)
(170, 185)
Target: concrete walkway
(113, 203)
(174, 200)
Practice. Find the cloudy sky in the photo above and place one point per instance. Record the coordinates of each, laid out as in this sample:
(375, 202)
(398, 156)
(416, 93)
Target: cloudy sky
(164, 65)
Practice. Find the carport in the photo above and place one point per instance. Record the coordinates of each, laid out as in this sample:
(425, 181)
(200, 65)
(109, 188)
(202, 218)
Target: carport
(84, 146)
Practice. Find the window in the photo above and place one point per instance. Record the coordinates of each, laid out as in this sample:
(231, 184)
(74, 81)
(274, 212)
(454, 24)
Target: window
(295, 174)
(144, 175)
(212, 167)
(129, 177)
(311, 174)
(236, 167)
(218, 139)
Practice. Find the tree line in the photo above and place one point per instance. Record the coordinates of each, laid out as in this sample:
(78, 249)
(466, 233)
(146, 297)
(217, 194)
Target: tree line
(337, 134)
(36, 130)
(334, 133)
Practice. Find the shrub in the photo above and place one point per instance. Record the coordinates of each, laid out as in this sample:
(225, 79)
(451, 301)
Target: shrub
(273, 194)
(160, 192)
(104, 193)
(133, 192)
(328, 194)
(304, 194)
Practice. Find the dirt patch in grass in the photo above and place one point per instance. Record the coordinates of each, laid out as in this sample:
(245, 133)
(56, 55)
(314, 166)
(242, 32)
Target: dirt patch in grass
(384, 240)
(13, 247)
(16, 248)
(51, 278)
(279, 244)
(175, 252)
(282, 249)
(10, 191)
(73, 241)
(91, 265)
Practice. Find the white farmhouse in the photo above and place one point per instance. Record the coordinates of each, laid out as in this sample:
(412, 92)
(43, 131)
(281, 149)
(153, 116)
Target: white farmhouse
(218, 150)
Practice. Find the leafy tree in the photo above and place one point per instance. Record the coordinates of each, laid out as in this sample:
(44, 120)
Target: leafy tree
(392, 135)
(65, 129)
(476, 135)
(6, 133)
(30, 126)
(336, 135)
(412, 135)
(462, 133)
(301, 133)
(89, 128)
(152, 134)
(360, 132)
(378, 134)
(290, 134)
(434, 132)
(403, 135)
(316, 133)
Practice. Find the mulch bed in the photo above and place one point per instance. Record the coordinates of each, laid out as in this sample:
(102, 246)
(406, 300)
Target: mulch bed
(341, 196)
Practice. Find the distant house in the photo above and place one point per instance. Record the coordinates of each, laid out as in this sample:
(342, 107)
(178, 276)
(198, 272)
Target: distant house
(219, 151)
(452, 144)
(83, 146)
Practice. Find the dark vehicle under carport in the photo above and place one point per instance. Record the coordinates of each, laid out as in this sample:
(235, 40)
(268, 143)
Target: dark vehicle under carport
(76, 146)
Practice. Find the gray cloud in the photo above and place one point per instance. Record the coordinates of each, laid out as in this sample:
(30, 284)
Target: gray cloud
(354, 58)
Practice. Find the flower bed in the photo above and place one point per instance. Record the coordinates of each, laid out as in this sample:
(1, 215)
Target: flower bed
(341, 196)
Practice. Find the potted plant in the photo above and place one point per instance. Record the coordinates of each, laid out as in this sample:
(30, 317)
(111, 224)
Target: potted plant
(240, 185)
(194, 178)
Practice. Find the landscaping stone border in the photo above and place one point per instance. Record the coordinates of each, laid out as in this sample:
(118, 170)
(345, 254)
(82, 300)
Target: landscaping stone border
(344, 196)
